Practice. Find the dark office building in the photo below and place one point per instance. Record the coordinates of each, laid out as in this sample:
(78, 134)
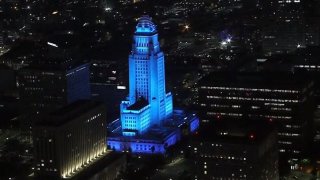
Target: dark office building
(69, 139)
(282, 10)
(236, 150)
(286, 37)
(8, 94)
(283, 99)
(8, 82)
(106, 79)
(50, 87)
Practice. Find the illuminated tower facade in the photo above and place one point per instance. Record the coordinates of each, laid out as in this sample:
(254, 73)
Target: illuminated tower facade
(148, 103)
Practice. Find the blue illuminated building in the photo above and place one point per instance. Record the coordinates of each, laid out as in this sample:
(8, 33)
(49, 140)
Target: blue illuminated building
(147, 123)
(148, 103)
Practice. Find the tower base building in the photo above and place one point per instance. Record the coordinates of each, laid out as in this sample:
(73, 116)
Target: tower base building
(147, 121)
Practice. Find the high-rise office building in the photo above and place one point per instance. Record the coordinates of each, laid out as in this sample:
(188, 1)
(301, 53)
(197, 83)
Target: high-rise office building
(107, 78)
(147, 121)
(286, 37)
(1, 41)
(284, 99)
(49, 87)
(283, 10)
(8, 96)
(236, 150)
(68, 140)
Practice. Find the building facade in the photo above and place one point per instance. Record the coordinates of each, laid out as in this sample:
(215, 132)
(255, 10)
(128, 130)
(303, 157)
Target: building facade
(284, 99)
(69, 139)
(48, 88)
(43, 89)
(147, 122)
(148, 103)
(242, 150)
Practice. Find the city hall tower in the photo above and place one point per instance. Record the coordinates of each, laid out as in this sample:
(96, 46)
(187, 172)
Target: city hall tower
(148, 104)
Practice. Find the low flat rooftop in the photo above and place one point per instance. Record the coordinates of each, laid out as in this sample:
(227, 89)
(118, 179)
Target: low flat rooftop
(157, 133)
(60, 67)
(67, 113)
(179, 118)
(237, 132)
(139, 104)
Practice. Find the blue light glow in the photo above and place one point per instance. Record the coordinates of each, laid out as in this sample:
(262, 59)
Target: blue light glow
(146, 122)
(144, 146)
(147, 81)
(145, 25)
(194, 125)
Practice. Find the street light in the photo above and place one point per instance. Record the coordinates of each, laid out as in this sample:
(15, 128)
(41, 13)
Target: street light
(186, 27)
(223, 43)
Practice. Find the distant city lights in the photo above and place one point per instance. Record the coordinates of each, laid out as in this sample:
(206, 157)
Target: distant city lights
(223, 43)
(121, 87)
(108, 9)
(252, 136)
(226, 42)
(52, 44)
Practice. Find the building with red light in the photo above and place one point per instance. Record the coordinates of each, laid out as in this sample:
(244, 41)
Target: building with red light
(282, 99)
(241, 150)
